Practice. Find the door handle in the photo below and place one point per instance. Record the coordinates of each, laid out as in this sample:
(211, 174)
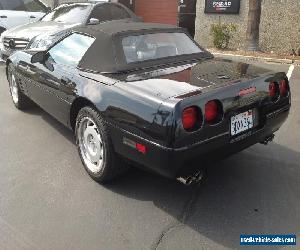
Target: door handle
(32, 17)
(3, 16)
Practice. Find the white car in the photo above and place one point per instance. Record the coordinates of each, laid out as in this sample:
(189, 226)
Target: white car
(61, 18)
(19, 12)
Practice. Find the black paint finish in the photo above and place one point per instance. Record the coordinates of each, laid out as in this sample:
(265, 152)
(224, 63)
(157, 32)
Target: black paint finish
(145, 106)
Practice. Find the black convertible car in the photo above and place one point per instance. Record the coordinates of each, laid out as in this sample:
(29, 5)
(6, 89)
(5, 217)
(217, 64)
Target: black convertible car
(150, 94)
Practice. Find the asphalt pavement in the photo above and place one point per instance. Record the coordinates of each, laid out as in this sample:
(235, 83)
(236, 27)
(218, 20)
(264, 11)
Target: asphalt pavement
(47, 201)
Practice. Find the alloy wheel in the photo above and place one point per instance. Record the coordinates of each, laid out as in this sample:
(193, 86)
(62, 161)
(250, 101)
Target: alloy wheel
(91, 145)
(14, 89)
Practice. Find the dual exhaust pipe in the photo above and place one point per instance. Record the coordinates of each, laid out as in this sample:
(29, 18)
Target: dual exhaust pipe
(198, 176)
(268, 139)
(195, 178)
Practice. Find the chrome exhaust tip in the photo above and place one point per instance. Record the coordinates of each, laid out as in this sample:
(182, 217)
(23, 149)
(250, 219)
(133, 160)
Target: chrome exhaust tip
(192, 179)
(268, 139)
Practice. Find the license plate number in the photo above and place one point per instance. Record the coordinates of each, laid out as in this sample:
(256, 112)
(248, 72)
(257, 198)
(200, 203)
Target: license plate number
(242, 122)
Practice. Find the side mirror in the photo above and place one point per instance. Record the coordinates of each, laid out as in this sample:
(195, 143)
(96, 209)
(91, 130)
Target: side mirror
(93, 21)
(38, 57)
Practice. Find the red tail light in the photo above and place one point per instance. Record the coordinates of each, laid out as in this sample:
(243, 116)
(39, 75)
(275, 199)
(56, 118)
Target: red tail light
(211, 111)
(141, 148)
(273, 89)
(283, 87)
(190, 118)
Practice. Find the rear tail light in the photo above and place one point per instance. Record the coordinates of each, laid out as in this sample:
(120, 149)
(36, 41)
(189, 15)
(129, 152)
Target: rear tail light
(283, 87)
(191, 119)
(141, 148)
(213, 111)
(273, 90)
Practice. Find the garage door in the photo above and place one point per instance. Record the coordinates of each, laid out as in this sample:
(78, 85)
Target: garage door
(158, 11)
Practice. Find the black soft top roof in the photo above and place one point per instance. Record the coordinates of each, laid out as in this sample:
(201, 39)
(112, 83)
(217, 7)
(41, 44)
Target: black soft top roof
(120, 26)
(106, 53)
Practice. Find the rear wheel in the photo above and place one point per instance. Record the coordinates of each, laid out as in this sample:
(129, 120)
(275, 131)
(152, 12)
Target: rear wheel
(95, 147)
(19, 99)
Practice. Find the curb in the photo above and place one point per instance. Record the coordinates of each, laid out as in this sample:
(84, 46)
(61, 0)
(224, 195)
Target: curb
(259, 59)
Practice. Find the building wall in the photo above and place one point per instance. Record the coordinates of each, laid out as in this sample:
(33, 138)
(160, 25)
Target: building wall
(279, 28)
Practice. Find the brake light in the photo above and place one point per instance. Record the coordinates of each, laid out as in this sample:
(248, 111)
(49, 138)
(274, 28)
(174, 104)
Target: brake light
(141, 148)
(283, 87)
(190, 118)
(273, 89)
(211, 111)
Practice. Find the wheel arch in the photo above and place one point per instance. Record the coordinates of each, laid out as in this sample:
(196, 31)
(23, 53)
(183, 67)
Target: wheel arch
(77, 105)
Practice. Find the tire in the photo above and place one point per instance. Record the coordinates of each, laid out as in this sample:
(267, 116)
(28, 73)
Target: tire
(20, 100)
(2, 30)
(95, 147)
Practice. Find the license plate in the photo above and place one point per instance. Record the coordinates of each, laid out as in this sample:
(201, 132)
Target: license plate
(242, 122)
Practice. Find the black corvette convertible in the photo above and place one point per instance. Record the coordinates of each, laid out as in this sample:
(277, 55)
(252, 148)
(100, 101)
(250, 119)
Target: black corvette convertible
(150, 94)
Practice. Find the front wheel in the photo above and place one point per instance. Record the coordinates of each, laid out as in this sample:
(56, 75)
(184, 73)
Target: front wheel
(95, 146)
(19, 99)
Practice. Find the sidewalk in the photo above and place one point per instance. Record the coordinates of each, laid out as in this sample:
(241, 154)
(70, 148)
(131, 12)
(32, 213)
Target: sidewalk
(257, 56)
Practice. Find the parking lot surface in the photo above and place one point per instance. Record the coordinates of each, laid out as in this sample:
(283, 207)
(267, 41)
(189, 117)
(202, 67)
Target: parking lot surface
(47, 201)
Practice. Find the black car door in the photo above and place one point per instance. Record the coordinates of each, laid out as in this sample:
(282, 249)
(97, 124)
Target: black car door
(53, 87)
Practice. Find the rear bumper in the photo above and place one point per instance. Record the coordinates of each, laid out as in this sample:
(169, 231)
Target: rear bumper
(173, 163)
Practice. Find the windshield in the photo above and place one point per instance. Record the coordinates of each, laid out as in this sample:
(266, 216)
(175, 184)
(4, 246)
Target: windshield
(157, 46)
(71, 13)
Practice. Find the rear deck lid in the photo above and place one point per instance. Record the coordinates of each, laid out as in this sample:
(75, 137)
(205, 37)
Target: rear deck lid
(205, 75)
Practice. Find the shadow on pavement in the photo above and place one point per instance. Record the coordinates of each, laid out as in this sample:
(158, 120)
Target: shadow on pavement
(251, 192)
(64, 131)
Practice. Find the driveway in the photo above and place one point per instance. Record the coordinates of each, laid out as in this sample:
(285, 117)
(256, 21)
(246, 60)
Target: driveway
(47, 201)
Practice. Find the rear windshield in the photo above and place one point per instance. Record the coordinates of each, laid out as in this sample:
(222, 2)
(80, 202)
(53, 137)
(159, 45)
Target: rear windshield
(157, 46)
(70, 13)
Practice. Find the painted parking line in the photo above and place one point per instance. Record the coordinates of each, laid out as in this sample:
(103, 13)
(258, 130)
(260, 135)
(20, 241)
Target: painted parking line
(290, 71)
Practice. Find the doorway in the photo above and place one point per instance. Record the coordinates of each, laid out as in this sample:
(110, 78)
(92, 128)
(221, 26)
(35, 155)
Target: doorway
(187, 15)
(128, 3)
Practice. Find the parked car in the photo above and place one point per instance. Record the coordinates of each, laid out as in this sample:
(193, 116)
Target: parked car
(18, 12)
(150, 94)
(63, 17)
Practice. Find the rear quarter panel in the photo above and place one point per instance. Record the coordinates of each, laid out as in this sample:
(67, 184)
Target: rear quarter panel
(128, 109)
